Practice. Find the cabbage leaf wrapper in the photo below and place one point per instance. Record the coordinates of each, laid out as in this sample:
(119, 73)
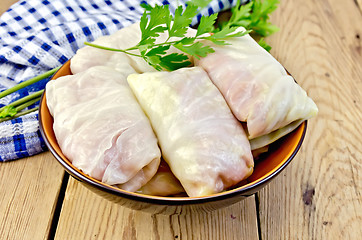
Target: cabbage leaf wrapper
(257, 89)
(203, 143)
(101, 128)
(124, 38)
(164, 183)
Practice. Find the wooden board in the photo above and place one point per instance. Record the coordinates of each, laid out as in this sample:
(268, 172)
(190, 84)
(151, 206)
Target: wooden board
(85, 215)
(29, 191)
(319, 196)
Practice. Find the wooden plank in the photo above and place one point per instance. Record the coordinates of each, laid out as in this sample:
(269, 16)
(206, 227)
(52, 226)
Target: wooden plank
(319, 196)
(29, 190)
(85, 215)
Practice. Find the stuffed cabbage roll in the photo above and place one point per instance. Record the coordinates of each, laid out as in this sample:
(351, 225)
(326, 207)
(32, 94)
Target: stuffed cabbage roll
(101, 128)
(202, 142)
(257, 88)
(124, 38)
(164, 183)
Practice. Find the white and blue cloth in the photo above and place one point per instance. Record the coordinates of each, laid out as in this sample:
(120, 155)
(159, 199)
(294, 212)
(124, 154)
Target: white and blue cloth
(39, 35)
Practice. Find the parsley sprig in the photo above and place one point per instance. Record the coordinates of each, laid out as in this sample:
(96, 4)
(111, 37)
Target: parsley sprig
(158, 20)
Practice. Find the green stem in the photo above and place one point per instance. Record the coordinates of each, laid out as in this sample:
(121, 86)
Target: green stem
(24, 99)
(131, 48)
(19, 114)
(28, 82)
(158, 44)
(27, 104)
(112, 49)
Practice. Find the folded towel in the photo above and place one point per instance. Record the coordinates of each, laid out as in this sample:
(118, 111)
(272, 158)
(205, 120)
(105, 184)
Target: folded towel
(39, 35)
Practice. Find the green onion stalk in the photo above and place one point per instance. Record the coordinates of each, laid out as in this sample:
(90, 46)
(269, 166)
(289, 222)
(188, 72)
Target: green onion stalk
(16, 108)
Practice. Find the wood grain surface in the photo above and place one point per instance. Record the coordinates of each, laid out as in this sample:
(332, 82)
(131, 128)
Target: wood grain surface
(85, 215)
(318, 196)
(29, 193)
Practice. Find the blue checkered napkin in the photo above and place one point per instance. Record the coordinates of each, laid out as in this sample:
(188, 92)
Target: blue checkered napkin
(38, 35)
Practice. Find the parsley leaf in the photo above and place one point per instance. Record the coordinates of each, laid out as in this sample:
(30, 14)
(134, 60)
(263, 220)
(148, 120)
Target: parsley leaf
(206, 24)
(264, 45)
(196, 49)
(182, 20)
(199, 3)
(260, 17)
(156, 53)
(8, 111)
(219, 37)
(151, 27)
(157, 20)
(154, 56)
(254, 16)
(174, 61)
